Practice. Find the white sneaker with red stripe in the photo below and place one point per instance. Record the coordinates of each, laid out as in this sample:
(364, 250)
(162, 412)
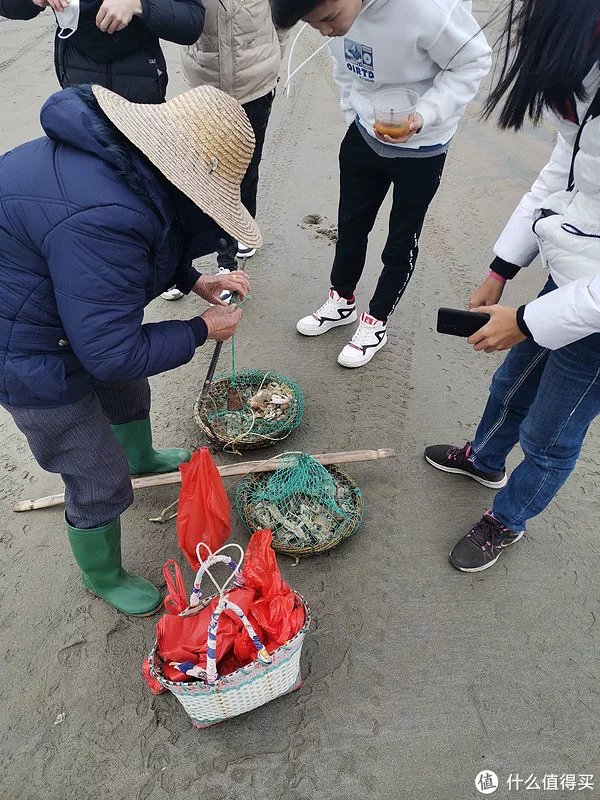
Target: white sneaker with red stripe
(335, 311)
(370, 337)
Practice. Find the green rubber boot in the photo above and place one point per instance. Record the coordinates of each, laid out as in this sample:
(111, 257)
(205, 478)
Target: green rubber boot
(97, 552)
(136, 440)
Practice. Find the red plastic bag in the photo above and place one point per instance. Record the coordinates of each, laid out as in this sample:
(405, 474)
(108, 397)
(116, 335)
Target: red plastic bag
(203, 514)
(182, 638)
(185, 638)
(260, 566)
(280, 618)
(230, 662)
(243, 648)
(276, 611)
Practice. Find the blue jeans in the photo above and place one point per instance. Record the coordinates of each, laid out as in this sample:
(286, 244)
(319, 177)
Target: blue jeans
(544, 399)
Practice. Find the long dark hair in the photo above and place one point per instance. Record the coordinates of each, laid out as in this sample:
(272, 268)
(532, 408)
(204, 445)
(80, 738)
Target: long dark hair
(286, 13)
(549, 47)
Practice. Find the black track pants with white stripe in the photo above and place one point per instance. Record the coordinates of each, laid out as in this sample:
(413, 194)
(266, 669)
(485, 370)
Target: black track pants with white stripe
(365, 178)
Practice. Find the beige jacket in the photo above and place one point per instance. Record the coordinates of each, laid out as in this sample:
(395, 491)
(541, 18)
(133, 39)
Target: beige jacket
(239, 50)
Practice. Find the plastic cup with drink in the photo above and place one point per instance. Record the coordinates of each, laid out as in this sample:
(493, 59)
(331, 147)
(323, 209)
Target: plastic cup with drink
(394, 110)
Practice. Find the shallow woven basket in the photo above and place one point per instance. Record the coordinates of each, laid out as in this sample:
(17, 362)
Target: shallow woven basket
(241, 691)
(253, 433)
(345, 528)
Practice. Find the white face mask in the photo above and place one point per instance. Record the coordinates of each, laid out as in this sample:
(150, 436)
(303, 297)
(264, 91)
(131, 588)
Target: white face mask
(68, 19)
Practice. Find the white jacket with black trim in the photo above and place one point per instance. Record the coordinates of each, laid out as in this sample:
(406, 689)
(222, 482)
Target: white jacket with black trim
(568, 238)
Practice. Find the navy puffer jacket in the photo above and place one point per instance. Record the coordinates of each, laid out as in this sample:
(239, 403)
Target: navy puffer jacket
(131, 61)
(87, 239)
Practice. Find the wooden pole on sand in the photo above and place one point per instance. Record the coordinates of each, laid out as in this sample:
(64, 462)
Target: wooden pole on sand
(226, 471)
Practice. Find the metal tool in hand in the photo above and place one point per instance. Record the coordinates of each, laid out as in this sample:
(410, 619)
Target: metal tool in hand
(211, 372)
(213, 362)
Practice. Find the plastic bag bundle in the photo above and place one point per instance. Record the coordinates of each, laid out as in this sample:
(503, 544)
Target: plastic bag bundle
(274, 612)
(308, 507)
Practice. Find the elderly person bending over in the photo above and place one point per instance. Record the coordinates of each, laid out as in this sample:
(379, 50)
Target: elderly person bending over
(97, 218)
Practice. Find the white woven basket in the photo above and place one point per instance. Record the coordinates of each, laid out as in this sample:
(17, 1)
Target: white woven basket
(240, 691)
(222, 696)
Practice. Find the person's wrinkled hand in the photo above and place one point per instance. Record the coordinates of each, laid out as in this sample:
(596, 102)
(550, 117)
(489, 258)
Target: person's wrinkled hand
(46, 3)
(209, 287)
(500, 333)
(114, 15)
(222, 321)
(416, 123)
(488, 293)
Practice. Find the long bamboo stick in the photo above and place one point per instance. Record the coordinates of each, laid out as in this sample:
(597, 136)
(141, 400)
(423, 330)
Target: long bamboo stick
(226, 471)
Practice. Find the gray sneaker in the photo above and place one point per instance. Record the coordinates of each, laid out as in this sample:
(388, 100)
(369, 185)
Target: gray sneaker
(448, 458)
(483, 545)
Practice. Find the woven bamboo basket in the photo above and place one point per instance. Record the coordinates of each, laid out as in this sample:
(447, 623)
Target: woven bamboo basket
(243, 430)
(241, 691)
(254, 519)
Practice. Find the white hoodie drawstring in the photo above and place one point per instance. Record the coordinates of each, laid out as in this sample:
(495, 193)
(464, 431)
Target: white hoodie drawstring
(290, 75)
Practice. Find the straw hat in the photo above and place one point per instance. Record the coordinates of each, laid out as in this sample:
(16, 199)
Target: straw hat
(202, 141)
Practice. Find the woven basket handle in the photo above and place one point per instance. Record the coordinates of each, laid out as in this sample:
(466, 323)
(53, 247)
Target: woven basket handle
(217, 557)
(211, 655)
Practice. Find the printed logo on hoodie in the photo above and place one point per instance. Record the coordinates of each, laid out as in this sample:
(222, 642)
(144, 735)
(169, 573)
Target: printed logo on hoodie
(359, 60)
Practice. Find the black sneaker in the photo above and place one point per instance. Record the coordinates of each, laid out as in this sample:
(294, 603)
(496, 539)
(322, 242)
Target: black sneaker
(482, 545)
(457, 459)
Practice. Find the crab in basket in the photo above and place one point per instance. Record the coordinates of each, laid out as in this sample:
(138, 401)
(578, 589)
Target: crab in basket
(268, 408)
(272, 402)
(309, 508)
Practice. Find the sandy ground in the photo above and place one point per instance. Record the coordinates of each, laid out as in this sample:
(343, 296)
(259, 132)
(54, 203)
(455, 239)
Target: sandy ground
(416, 677)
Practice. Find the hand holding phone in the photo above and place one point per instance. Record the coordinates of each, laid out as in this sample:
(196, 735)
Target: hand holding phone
(457, 322)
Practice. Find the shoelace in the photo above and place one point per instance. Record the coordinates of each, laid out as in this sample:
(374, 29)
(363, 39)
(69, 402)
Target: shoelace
(363, 334)
(459, 453)
(328, 306)
(485, 532)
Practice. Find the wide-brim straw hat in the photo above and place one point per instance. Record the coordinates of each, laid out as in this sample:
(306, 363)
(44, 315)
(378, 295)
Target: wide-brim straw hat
(202, 142)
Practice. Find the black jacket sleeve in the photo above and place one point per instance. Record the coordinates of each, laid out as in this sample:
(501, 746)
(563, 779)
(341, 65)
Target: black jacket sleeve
(19, 9)
(521, 322)
(179, 21)
(185, 280)
(504, 268)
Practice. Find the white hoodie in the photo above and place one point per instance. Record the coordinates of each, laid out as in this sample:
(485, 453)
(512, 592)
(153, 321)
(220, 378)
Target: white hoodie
(569, 239)
(434, 47)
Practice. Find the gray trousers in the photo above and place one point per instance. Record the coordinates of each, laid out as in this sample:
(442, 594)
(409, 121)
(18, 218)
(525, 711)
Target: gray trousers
(77, 442)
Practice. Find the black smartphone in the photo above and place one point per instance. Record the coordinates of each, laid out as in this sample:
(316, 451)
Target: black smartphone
(457, 322)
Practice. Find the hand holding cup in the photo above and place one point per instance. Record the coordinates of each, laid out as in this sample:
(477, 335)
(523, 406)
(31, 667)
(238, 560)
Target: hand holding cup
(396, 117)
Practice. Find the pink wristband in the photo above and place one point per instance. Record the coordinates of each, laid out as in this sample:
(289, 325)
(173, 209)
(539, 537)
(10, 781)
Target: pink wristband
(497, 277)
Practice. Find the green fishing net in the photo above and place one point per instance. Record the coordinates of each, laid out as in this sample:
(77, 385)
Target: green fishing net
(272, 406)
(309, 508)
